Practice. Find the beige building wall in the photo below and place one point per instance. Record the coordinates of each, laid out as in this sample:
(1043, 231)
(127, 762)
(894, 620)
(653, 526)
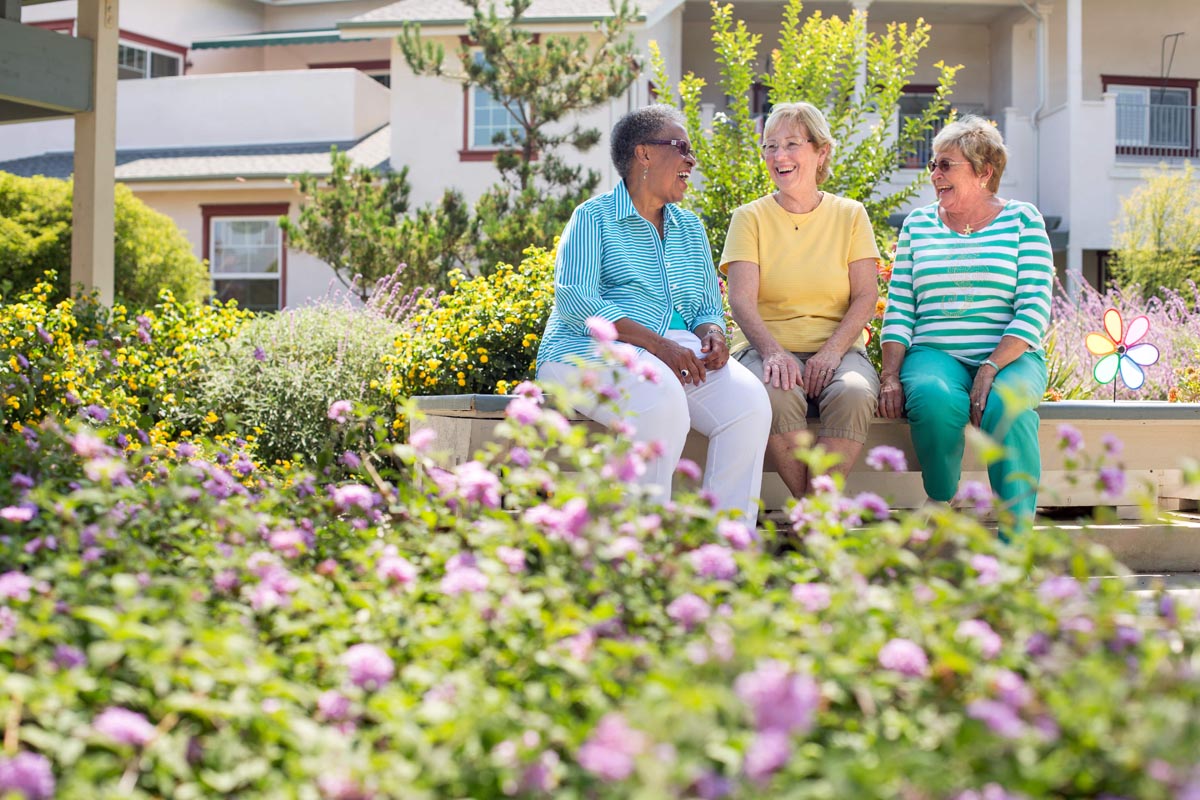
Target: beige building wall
(1118, 40)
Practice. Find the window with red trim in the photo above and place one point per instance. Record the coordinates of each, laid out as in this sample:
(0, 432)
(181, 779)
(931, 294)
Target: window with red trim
(1155, 117)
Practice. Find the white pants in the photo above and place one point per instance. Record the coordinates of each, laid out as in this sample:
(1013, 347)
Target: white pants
(731, 408)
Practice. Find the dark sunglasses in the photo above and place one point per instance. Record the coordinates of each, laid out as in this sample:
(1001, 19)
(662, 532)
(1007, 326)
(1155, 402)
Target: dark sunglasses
(944, 164)
(682, 145)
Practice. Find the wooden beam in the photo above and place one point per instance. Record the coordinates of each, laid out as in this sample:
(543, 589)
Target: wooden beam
(92, 228)
(44, 69)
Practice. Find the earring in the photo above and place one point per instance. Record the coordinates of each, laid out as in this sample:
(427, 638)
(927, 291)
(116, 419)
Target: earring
(983, 184)
(645, 172)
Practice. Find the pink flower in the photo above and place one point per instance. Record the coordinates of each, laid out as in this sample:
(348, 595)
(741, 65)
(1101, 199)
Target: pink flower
(513, 558)
(421, 439)
(688, 610)
(88, 445)
(353, 495)
(561, 523)
(813, 596)
(626, 468)
(288, 543)
(689, 469)
(1112, 482)
(885, 457)
(27, 775)
(342, 787)
(610, 751)
(989, 642)
(823, 484)
(339, 411)
(477, 484)
(523, 410)
(977, 494)
(601, 329)
(1112, 445)
(905, 657)
(987, 567)
(1058, 587)
(530, 390)
(872, 504)
(768, 753)
(781, 700)
(21, 513)
(714, 561)
(393, 568)
(999, 717)
(736, 533)
(124, 726)
(334, 706)
(464, 580)
(1011, 688)
(368, 666)
(15, 585)
(1070, 439)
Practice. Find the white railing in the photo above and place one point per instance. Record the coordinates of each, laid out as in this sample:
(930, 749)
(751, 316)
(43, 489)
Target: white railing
(1157, 132)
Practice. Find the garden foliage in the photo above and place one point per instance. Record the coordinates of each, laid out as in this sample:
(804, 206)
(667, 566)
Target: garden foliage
(35, 237)
(817, 60)
(521, 626)
(1157, 237)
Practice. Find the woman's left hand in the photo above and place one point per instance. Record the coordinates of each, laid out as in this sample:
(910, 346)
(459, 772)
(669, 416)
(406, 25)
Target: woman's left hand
(819, 370)
(716, 349)
(980, 390)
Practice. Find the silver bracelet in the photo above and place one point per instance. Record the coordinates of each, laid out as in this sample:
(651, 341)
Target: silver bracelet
(987, 362)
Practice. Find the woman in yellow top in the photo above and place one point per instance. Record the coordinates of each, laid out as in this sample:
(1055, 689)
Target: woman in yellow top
(801, 268)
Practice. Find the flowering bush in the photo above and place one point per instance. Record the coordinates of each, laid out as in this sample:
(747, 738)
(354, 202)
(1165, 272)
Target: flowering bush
(481, 337)
(521, 626)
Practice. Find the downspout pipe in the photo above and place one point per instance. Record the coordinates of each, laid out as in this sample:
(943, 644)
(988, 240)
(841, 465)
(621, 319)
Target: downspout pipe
(1035, 116)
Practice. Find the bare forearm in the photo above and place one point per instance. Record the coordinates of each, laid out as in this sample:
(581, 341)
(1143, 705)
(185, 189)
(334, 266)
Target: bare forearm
(638, 335)
(850, 329)
(1008, 350)
(893, 359)
(746, 315)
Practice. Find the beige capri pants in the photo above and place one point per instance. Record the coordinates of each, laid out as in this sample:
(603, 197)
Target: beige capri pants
(847, 404)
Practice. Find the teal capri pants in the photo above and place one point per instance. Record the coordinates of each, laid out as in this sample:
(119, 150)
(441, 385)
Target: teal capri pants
(937, 390)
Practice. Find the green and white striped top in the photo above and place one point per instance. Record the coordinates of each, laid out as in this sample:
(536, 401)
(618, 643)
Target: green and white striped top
(960, 293)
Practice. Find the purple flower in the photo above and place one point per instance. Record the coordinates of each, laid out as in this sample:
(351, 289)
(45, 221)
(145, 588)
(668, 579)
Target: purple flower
(353, 495)
(885, 457)
(1112, 482)
(350, 460)
(421, 439)
(339, 411)
(530, 390)
(714, 561)
(289, 543)
(768, 753)
(1112, 445)
(989, 642)
(368, 666)
(711, 786)
(8, 623)
(464, 580)
(999, 717)
(1070, 439)
(688, 610)
(987, 567)
(21, 481)
(124, 726)
(1011, 688)
(260, 354)
(561, 523)
(626, 468)
(334, 706)
(601, 329)
(477, 484)
(96, 412)
(394, 568)
(689, 469)
(813, 596)
(28, 775)
(824, 484)
(781, 700)
(977, 494)
(21, 513)
(610, 751)
(1058, 587)
(512, 557)
(88, 445)
(905, 657)
(523, 410)
(519, 456)
(15, 585)
(738, 534)
(873, 504)
(67, 657)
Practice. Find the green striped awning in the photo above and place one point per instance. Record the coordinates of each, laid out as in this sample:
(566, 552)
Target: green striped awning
(268, 38)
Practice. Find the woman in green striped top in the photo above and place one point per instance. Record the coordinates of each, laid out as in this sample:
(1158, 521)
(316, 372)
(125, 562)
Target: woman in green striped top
(968, 307)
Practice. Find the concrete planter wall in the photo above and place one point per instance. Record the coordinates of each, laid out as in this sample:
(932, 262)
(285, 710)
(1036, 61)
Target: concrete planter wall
(1157, 436)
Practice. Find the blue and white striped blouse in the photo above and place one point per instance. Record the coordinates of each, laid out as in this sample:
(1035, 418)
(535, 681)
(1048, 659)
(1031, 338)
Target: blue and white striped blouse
(613, 264)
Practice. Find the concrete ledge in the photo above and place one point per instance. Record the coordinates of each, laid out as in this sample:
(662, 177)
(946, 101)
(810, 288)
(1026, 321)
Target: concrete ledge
(1156, 437)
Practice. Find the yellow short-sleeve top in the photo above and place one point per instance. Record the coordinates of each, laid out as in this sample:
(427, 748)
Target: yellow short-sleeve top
(803, 265)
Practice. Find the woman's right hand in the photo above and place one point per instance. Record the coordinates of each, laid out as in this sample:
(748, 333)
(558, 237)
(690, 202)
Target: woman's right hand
(685, 364)
(782, 371)
(891, 397)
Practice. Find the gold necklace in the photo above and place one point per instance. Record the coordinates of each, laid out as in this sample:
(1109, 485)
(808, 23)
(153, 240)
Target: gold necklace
(816, 205)
(969, 228)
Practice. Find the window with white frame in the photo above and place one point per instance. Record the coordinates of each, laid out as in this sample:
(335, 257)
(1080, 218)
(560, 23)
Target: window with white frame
(913, 102)
(136, 61)
(245, 257)
(491, 125)
(1154, 117)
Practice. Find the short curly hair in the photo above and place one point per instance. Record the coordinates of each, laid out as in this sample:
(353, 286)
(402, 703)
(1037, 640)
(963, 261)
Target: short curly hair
(638, 126)
(809, 117)
(981, 144)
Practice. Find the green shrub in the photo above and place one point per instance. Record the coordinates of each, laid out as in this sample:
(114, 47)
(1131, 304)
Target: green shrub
(35, 237)
(481, 337)
(275, 382)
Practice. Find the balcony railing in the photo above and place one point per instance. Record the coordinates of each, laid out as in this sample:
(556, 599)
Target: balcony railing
(1157, 132)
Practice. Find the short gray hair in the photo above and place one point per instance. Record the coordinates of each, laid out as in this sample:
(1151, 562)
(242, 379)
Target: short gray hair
(981, 144)
(636, 127)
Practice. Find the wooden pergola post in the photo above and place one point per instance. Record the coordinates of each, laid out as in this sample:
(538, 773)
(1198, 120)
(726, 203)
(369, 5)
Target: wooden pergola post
(92, 227)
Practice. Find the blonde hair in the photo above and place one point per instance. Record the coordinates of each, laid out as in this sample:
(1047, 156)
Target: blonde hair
(812, 121)
(980, 143)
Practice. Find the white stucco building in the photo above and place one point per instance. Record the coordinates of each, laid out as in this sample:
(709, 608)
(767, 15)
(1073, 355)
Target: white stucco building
(224, 99)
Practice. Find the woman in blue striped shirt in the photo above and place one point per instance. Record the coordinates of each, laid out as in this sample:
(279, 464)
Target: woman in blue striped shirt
(968, 308)
(633, 257)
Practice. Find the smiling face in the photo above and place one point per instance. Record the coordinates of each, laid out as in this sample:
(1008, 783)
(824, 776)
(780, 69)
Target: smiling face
(667, 173)
(792, 159)
(957, 188)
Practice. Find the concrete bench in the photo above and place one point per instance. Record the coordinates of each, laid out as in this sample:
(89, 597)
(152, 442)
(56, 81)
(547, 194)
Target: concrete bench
(1157, 436)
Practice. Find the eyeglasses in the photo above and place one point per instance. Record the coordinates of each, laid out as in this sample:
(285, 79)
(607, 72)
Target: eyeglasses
(790, 147)
(944, 164)
(682, 145)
